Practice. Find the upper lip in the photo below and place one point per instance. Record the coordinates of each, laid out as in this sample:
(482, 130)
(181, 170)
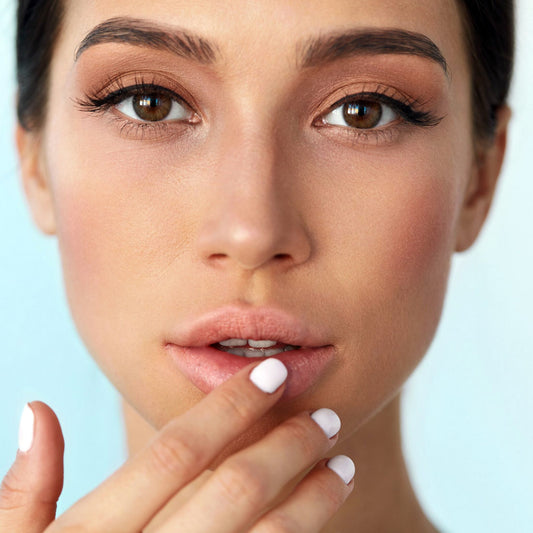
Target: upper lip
(236, 322)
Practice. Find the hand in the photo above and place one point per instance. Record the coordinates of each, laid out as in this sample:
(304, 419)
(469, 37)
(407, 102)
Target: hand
(237, 497)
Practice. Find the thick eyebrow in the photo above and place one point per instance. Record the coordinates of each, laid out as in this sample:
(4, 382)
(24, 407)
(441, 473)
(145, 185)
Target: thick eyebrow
(139, 32)
(329, 48)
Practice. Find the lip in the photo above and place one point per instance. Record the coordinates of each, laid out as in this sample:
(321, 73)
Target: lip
(206, 367)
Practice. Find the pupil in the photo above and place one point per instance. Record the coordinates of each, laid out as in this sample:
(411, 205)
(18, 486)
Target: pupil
(152, 107)
(362, 114)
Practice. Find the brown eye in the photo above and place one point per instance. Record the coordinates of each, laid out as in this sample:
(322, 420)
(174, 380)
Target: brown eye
(362, 114)
(152, 107)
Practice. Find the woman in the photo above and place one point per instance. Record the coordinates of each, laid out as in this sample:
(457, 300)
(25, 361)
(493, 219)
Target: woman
(278, 181)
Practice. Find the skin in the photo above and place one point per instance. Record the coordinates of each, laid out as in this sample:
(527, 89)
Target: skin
(158, 229)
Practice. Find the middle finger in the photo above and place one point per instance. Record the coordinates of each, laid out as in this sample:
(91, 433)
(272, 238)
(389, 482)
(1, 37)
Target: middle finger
(242, 487)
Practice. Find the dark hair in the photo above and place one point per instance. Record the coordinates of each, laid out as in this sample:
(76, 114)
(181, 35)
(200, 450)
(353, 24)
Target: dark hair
(38, 26)
(488, 28)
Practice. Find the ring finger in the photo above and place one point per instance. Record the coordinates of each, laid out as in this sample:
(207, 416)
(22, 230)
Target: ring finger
(243, 486)
(321, 493)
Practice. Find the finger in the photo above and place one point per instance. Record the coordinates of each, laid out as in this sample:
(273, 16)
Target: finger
(30, 490)
(314, 501)
(243, 486)
(183, 449)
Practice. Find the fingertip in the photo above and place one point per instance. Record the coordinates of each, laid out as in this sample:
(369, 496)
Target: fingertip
(42, 446)
(30, 489)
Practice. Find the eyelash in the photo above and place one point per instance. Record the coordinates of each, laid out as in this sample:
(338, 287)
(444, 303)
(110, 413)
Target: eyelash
(100, 103)
(404, 107)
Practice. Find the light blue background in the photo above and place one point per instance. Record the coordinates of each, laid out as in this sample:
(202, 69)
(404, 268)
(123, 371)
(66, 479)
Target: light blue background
(467, 410)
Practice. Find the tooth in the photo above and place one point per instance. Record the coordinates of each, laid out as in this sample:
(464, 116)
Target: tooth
(261, 344)
(254, 353)
(234, 342)
(261, 353)
(268, 353)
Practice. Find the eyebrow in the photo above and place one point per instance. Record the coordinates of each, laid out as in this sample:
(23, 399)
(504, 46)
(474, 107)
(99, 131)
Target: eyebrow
(139, 32)
(314, 51)
(329, 48)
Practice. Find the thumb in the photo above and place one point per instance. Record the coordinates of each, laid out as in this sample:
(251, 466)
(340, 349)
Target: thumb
(30, 490)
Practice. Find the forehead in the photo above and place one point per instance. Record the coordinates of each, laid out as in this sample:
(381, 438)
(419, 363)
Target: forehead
(274, 31)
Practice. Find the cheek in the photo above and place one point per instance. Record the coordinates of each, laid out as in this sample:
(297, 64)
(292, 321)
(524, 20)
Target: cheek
(388, 220)
(403, 254)
(117, 235)
(414, 230)
(387, 240)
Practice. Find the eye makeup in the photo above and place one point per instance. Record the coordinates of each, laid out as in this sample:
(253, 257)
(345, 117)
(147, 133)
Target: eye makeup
(157, 107)
(367, 109)
(146, 104)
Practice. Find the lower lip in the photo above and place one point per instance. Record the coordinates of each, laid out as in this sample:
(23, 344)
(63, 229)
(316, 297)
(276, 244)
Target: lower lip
(207, 367)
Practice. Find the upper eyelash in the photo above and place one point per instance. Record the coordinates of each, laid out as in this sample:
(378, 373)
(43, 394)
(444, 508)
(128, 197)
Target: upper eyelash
(406, 109)
(96, 102)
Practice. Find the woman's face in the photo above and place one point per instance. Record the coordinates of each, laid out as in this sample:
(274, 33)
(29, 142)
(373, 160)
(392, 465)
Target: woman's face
(262, 184)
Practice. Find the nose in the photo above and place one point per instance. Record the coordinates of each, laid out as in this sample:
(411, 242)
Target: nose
(253, 219)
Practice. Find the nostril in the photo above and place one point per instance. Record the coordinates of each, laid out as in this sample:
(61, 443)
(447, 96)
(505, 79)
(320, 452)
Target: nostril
(217, 259)
(277, 257)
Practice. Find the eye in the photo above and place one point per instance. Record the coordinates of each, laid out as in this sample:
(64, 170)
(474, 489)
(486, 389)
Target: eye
(361, 114)
(153, 107)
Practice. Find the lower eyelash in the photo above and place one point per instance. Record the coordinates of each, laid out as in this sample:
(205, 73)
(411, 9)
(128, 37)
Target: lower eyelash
(405, 109)
(100, 103)
(140, 129)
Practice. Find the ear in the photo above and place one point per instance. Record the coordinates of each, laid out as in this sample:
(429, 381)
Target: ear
(482, 184)
(34, 180)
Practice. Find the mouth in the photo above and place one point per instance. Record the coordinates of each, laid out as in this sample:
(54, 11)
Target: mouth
(210, 349)
(253, 348)
(237, 327)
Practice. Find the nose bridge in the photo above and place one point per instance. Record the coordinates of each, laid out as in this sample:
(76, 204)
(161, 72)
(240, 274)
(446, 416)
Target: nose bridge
(252, 218)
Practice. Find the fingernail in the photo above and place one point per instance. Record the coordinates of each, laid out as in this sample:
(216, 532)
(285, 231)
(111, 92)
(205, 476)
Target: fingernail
(26, 427)
(269, 375)
(328, 420)
(343, 466)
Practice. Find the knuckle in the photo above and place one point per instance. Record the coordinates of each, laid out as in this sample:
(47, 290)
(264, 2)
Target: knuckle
(278, 522)
(332, 494)
(298, 431)
(172, 454)
(241, 484)
(11, 497)
(235, 404)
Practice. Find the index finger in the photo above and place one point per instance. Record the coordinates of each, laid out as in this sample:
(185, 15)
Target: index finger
(130, 498)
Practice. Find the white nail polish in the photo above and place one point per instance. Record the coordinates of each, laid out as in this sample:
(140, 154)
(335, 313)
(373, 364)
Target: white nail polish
(26, 428)
(328, 420)
(269, 375)
(343, 466)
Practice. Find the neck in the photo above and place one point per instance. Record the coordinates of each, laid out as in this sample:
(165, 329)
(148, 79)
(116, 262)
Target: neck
(383, 499)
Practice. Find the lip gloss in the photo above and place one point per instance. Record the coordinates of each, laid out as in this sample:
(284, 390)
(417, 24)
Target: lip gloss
(206, 367)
